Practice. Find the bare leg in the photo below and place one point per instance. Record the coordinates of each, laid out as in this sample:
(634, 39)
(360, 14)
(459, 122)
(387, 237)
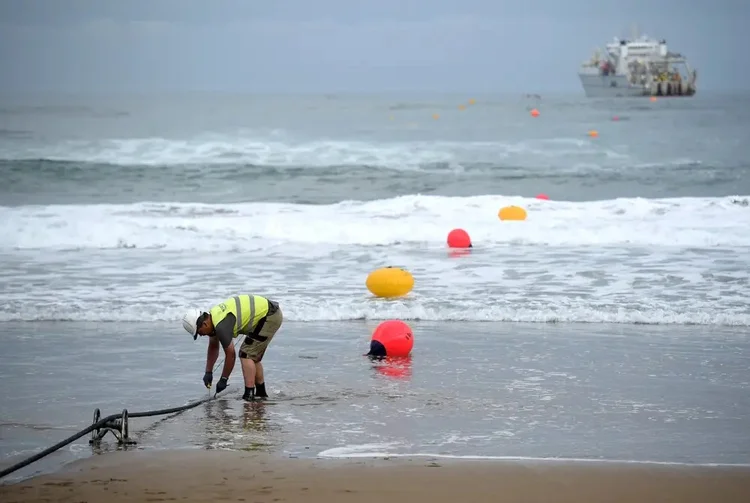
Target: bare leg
(248, 372)
(259, 377)
(260, 381)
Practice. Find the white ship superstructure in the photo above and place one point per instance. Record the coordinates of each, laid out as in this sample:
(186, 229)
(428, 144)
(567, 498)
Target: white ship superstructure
(639, 67)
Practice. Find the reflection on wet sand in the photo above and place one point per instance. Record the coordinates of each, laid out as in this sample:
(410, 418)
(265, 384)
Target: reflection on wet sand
(238, 424)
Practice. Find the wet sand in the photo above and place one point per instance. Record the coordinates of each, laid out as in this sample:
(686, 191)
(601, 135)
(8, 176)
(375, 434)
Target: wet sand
(212, 475)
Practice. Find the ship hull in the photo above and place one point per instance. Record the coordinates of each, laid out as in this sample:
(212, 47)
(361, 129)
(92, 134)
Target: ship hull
(617, 86)
(610, 86)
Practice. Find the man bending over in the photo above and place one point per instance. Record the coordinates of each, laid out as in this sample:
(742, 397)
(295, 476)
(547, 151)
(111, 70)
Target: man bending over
(255, 317)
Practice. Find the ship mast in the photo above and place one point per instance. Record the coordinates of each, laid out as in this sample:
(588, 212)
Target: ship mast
(634, 32)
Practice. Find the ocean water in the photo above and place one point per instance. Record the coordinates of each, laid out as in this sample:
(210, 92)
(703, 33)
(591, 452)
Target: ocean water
(118, 213)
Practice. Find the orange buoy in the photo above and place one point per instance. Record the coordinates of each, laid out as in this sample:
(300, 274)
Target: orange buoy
(542, 196)
(593, 133)
(512, 213)
(391, 338)
(534, 112)
(459, 238)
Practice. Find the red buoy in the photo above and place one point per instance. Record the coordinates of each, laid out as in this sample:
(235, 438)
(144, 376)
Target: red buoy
(391, 338)
(459, 238)
(542, 196)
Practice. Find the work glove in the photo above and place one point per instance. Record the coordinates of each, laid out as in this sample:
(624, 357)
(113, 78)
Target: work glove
(208, 378)
(221, 385)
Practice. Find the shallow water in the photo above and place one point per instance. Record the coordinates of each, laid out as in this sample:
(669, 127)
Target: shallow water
(673, 394)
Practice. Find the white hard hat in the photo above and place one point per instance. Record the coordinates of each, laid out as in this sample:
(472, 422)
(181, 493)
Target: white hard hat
(190, 321)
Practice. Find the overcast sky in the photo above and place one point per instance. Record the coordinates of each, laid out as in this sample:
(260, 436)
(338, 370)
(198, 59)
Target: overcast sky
(114, 46)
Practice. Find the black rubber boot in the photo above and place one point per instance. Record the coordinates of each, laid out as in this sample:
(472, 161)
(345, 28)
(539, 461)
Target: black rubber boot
(249, 395)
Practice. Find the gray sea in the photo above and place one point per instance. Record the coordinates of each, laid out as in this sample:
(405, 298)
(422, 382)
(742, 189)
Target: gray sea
(611, 324)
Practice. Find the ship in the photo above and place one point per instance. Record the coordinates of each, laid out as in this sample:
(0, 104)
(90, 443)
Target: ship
(641, 66)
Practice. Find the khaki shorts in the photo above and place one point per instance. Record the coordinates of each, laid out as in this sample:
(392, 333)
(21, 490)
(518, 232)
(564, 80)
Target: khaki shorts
(254, 346)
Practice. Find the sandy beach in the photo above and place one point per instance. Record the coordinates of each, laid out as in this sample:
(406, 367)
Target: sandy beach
(201, 475)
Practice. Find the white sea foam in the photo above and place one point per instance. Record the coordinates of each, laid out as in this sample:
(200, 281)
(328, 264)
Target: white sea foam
(382, 451)
(419, 220)
(668, 261)
(207, 150)
(125, 304)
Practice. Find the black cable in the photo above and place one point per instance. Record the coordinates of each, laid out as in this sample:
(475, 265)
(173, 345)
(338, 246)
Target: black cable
(103, 422)
(97, 425)
(169, 411)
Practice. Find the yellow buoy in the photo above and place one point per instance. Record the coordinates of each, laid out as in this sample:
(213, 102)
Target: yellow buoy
(390, 282)
(512, 213)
